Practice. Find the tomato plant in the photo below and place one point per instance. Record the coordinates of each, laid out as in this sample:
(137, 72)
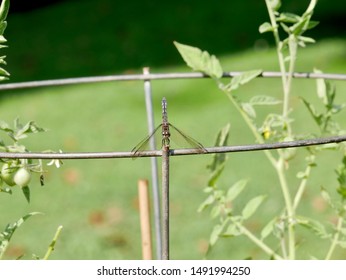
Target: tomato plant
(18, 172)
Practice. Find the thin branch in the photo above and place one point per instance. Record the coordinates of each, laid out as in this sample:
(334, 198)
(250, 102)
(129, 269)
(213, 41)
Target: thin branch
(177, 152)
(159, 76)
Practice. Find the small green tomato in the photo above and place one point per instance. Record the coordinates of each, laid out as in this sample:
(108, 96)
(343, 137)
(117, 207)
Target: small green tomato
(22, 177)
(7, 174)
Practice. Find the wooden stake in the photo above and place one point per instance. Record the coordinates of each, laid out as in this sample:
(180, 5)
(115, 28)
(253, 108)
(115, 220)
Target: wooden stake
(144, 211)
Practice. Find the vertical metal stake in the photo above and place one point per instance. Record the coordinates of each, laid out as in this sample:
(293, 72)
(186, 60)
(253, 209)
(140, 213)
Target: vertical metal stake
(154, 167)
(165, 202)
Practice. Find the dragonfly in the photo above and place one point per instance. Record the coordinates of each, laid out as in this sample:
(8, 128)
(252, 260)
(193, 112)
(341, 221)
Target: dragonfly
(166, 134)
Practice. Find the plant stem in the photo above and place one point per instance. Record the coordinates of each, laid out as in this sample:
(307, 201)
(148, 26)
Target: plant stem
(52, 244)
(4, 245)
(279, 167)
(253, 129)
(285, 78)
(289, 209)
(257, 241)
(335, 239)
(302, 186)
(283, 247)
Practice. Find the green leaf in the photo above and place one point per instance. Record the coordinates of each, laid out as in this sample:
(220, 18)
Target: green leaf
(341, 177)
(251, 207)
(222, 137)
(248, 109)
(26, 192)
(232, 230)
(2, 78)
(3, 26)
(342, 191)
(200, 60)
(3, 72)
(264, 100)
(342, 244)
(300, 27)
(219, 160)
(302, 175)
(208, 189)
(306, 39)
(326, 92)
(315, 226)
(2, 60)
(268, 229)
(30, 127)
(4, 8)
(288, 18)
(265, 27)
(242, 79)
(214, 68)
(216, 173)
(321, 88)
(215, 211)
(5, 127)
(325, 195)
(317, 117)
(286, 29)
(235, 190)
(217, 230)
(276, 120)
(215, 235)
(10, 229)
(210, 200)
(312, 24)
(221, 140)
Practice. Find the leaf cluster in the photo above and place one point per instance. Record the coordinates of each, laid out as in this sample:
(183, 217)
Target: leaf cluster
(7, 233)
(221, 202)
(17, 172)
(4, 8)
(274, 127)
(293, 25)
(326, 92)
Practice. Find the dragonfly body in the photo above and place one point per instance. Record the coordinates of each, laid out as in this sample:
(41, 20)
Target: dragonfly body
(165, 125)
(166, 134)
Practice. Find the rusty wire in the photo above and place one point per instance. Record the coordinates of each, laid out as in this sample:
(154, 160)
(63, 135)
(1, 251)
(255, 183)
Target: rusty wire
(158, 76)
(177, 152)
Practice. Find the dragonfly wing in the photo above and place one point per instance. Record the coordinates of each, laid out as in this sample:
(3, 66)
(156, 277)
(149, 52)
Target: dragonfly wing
(143, 144)
(191, 142)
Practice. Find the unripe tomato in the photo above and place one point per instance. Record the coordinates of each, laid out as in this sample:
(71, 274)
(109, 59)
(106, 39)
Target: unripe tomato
(22, 177)
(7, 174)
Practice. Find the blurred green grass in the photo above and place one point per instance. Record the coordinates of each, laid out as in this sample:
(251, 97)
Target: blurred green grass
(84, 38)
(96, 201)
